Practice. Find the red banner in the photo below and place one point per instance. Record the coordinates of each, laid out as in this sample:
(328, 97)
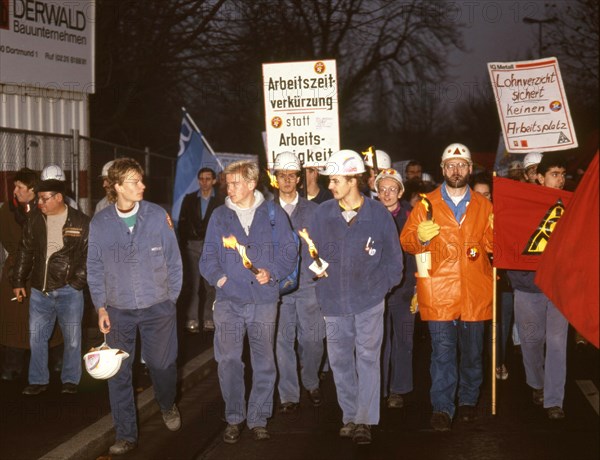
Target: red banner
(568, 272)
(524, 217)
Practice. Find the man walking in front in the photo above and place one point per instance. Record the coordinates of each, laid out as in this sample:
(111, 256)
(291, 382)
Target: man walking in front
(53, 251)
(135, 277)
(247, 296)
(454, 232)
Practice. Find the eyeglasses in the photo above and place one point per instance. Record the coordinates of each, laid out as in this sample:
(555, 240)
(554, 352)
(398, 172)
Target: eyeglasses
(383, 190)
(44, 199)
(453, 166)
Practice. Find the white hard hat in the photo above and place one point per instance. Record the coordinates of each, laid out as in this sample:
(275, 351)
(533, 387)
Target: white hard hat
(388, 174)
(383, 160)
(344, 163)
(456, 151)
(52, 172)
(106, 167)
(532, 158)
(103, 362)
(287, 161)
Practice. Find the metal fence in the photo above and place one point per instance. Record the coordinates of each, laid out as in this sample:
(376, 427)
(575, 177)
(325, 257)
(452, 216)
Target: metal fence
(81, 158)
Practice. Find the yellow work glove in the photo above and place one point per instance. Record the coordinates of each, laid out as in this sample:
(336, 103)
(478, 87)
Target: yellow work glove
(414, 304)
(427, 230)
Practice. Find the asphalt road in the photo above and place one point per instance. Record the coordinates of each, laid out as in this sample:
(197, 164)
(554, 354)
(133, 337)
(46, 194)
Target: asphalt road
(519, 430)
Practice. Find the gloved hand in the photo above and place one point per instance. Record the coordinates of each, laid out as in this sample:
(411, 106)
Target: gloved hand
(427, 230)
(414, 304)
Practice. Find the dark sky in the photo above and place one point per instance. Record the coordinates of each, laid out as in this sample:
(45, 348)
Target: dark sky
(495, 32)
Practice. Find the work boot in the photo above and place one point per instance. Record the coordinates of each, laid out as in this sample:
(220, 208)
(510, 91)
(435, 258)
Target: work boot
(172, 418)
(440, 421)
(121, 447)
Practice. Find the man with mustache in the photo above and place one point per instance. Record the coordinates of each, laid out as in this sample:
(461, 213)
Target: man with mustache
(456, 296)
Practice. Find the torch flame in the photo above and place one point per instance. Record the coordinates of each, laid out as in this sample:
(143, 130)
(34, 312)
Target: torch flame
(311, 245)
(425, 201)
(231, 242)
(368, 153)
(273, 180)
(428, 206)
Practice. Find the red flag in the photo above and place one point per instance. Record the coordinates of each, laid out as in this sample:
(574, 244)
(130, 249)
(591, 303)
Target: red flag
(524, 217)
(568, 272)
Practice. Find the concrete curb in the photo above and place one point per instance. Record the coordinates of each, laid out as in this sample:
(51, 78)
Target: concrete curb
(98, 437)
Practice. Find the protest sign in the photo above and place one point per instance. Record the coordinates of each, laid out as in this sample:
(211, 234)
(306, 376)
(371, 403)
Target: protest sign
(301, 110)
(532, 106)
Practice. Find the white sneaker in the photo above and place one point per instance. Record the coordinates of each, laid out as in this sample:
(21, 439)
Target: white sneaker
(502, 372)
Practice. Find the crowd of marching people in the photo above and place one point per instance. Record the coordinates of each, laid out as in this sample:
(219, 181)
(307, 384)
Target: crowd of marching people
(314, 277)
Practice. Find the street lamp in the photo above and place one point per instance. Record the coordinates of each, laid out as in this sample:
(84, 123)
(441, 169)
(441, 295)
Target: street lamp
(539, 22)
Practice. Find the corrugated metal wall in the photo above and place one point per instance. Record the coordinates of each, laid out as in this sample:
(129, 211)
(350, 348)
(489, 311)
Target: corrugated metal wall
(44, 110)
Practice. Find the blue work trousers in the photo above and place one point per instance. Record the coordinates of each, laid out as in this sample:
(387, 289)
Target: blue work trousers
(543, 332)
(354, 349)
(398, 348)
(232, 323)
(158, 334)
(299, 317)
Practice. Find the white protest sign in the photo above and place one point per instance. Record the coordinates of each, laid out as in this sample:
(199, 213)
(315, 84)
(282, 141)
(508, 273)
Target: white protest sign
(301, 110)
(48, 44)
(532, 106)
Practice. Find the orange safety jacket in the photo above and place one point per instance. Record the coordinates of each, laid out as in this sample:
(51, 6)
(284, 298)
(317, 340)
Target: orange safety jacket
(460, 282)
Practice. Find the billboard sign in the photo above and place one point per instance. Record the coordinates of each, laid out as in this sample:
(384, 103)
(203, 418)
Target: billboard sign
(48, 44)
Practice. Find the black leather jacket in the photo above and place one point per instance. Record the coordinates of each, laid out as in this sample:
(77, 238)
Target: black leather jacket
(67, 266)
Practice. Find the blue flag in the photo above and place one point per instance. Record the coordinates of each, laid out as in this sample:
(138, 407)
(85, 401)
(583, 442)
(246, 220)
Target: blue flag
(189, 161)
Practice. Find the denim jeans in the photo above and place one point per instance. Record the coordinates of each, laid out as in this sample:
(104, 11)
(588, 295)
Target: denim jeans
(354, 346)
(301, 317)
(66, 304)
(447, 337)
(543, 332)
(158, 334)
(232, 323)
(398, 347)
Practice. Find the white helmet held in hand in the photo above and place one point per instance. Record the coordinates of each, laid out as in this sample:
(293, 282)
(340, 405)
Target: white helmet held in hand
(456, 151)
(52, 172)
(383, 160)
(344, 163)
(103, 362)
(286, 161)
(531, 159)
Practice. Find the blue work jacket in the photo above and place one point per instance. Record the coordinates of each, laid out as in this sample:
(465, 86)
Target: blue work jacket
(365, 258)
(133, 269)
(276, 254)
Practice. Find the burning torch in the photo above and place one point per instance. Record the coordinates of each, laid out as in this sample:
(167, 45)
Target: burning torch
(272, 180)
(231, 242)
(318, 266)
(370, 153)
(428, 206)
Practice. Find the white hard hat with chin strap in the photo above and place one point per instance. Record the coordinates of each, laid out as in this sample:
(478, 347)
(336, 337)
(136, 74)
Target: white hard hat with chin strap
(344, 163)
(104, 362)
